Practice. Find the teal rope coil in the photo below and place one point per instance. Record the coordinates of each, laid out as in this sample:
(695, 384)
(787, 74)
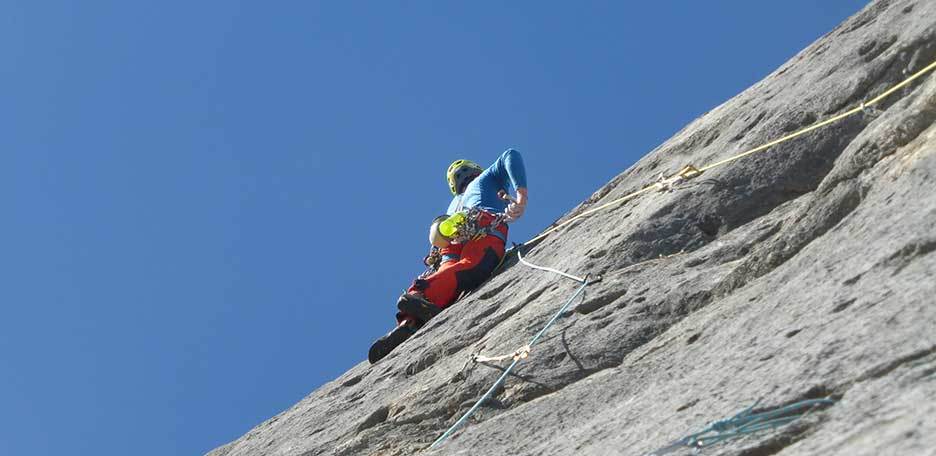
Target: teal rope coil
(503, 376)
(744, 423)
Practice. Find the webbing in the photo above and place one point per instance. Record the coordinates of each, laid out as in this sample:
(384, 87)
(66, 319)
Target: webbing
(691, 172)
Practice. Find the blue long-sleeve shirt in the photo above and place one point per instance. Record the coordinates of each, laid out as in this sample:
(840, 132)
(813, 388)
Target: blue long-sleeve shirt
(505, 174)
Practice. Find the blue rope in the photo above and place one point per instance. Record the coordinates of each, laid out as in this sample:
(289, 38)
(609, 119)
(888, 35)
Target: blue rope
(503, 376)
(744, 423)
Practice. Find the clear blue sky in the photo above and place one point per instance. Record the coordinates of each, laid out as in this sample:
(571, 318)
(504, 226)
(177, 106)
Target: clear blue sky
(209, 207)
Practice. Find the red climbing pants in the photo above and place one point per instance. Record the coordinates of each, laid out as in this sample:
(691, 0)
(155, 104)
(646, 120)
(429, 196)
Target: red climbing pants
(464, 266)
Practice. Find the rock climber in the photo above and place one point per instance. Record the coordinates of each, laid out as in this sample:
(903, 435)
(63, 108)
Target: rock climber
(468, 242)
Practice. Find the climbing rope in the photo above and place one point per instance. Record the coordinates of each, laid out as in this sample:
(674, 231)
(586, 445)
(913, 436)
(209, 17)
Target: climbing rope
(665, 183)
(524, 351)
(744, 423)
(509, 368)
(541, 268)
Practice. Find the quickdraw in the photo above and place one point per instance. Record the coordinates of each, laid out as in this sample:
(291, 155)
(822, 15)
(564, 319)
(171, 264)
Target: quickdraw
(667, 184)
(432, 261)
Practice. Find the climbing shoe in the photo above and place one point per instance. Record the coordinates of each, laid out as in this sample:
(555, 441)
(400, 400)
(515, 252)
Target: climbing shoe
(383, 346)
(417, 306)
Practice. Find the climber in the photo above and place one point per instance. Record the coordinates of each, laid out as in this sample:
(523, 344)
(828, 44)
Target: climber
(468, 242)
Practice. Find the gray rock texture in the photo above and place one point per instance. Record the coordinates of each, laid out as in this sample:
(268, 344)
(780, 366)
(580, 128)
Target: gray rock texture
(805, 271)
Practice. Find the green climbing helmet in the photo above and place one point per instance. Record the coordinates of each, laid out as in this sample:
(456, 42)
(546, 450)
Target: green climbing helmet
(460, 173)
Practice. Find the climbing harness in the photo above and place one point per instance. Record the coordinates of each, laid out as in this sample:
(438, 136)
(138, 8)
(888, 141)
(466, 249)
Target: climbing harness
(744, 423)
(469, 228)
(459, 228)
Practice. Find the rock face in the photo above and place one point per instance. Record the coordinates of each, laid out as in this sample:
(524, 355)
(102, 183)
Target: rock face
(805, 271)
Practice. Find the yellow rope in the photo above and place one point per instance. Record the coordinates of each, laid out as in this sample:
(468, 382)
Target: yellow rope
(690, 172)
(901, 84)
(783, 139)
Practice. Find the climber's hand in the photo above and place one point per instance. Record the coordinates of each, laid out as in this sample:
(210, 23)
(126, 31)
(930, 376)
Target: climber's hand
(517, 205)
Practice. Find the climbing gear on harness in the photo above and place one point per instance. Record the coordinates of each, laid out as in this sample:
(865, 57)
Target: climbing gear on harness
(459, 228)
(434, 258)
(417, 306)
(473, 224)
(383, 346)
(460, 173)
(745, 422)
(436, 237)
